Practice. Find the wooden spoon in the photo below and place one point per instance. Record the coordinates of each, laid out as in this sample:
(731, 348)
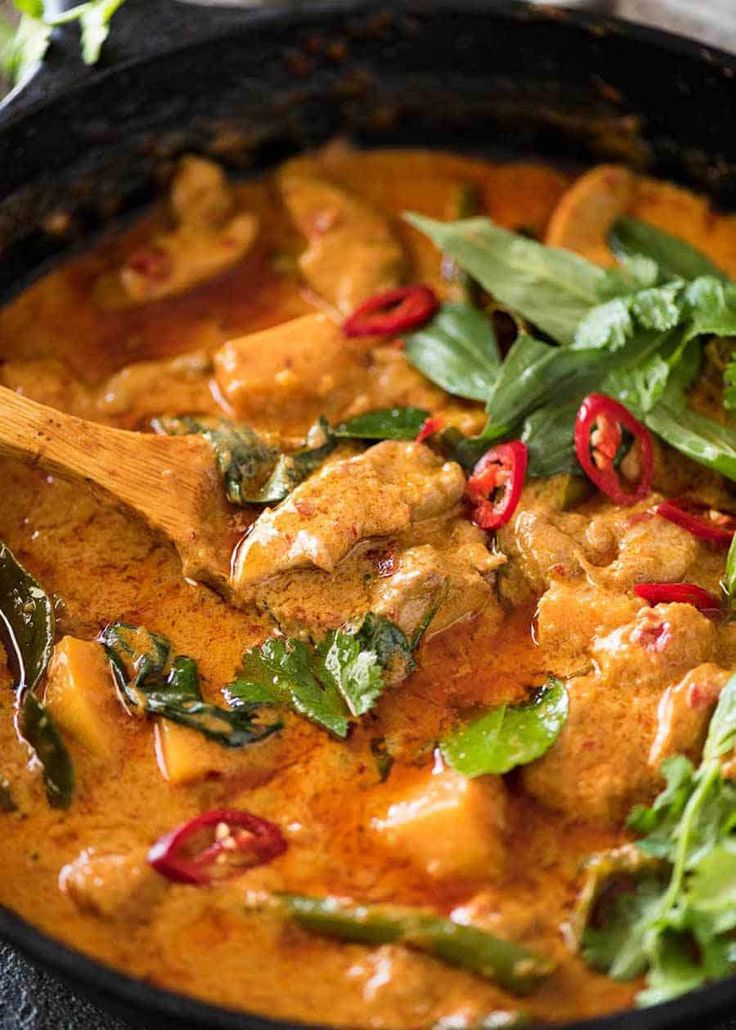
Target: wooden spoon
(171, 481)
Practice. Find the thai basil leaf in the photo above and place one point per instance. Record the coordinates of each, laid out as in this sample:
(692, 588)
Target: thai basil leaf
(458, 351)
(343, 675)
(708, 442)
(630, 236)
(244, 460)
(548, 435)
(510, 735)
(553, 289)
(40, 731)
(27, 615)
(27, 625)
(151, 682)
(729, 382)
(729, 581)
(383, 424)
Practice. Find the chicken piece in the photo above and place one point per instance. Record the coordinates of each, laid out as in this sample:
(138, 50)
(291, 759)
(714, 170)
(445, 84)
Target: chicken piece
(447, 825)
(351, 251)
(302, 369)
(684, 713)
(541, 541)
(150, 387)
(451, 582)
(646, 548)
(599, 767)
(660, 645)
(570, 615)
(117, 888)
(81, 698)
(208, 235)
(390, 381)
(585, 213)
(379, 493)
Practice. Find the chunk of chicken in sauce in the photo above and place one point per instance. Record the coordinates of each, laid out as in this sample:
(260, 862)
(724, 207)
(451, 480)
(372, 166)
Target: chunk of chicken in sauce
(351, 251)
(208, 234)
(598, 776)
(377, 494)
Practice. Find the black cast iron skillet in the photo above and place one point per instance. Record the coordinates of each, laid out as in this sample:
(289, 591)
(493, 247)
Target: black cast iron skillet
(251, 87)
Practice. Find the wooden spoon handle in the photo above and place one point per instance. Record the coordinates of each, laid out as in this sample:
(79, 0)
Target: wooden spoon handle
(170, 481)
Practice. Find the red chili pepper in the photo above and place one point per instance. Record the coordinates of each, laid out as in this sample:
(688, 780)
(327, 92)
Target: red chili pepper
(216, 846)
(700, 519)
(393, 311)
(430, 426)
(503, 468)
(151, 262)
(598, 436)
(680, 593)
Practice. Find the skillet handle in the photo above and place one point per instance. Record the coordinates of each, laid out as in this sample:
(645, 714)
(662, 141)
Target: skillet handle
(139, 29)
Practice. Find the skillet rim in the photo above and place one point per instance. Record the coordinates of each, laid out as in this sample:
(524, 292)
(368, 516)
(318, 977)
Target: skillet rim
(98, 979)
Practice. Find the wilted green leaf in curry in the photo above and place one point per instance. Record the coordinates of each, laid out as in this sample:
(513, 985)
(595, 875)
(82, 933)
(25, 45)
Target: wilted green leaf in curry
(553, 289)
(153, 684)
(27, 624)
(244, 459)
(343, 675)
(504, 962)
(509, 735)
(383, 424)
(41, 733)
(458, 351)
(27, 615)
(674, 256)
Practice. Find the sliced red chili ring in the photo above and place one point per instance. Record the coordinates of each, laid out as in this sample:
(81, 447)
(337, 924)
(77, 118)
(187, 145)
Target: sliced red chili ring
(700, 519)
(599, 435)
(392, 311)
(680, 593)
(430, 426)
(495, 487)
(216, 846)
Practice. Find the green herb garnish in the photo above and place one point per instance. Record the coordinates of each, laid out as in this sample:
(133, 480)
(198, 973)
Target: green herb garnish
(154, 683)
(27, 624)
(458, 351)
(342, 676)
(509, 735)
(675, 920)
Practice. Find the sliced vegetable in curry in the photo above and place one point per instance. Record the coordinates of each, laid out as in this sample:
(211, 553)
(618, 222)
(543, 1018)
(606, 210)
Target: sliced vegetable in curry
(475, 656)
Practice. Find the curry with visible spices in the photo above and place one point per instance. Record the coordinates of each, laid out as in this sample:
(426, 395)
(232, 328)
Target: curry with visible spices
(475, 425)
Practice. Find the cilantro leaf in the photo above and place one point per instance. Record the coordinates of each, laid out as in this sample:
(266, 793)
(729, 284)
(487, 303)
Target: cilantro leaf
(458, 351)
(343, 675)
(677, 927)
(509, 735)
(285, 672)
